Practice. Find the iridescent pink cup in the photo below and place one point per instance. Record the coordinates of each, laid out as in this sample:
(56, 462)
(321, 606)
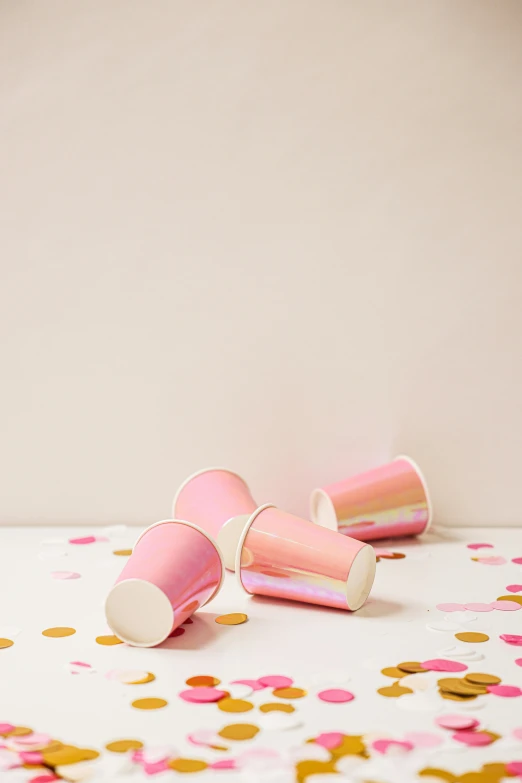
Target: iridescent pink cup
(391, 500)
(175, 568)
(284, 556)
(220, 502)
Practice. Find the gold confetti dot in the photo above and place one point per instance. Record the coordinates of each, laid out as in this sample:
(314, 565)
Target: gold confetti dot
(471, 636)
(4, 643)
(187, 765)
(236, 618)
(394, 691)
(411, 667)
(108, 641)
(276, 707)
(461, 687)
(239, 731)
(289, 693)
(202, 681)
(516, 598)
(351, 745)
(393, 671)
(20, 731)
(149, 678)
(313, 767)
(68, 754)
(482, 679)
(149, 704)
(122, 552)
(122, 746)
(434, 772)
(234, 705)
(456, 696)
(59, 632)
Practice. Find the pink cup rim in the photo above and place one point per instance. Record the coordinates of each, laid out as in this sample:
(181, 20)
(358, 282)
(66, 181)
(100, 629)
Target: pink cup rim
(204, 533)
(201, 473)
(241, 542)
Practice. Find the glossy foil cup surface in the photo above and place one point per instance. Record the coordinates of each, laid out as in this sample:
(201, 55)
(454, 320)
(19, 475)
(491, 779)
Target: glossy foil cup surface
(175, 568)
(283, 556)
(391, 500)
(220, 502)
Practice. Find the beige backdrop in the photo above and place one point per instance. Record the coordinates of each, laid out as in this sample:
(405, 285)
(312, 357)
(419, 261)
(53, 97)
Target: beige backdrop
(280, 235)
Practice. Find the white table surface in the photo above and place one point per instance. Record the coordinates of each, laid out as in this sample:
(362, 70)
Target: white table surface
(304, 642)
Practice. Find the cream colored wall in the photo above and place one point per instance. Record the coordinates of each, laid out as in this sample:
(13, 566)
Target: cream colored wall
(279, 235)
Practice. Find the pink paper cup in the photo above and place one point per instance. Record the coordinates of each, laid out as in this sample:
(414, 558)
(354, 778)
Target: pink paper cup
(175, 568)
(284, 556)
(220, 502)
(392, 500)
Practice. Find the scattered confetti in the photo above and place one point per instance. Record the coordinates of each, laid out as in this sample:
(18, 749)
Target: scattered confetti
(108, 641)
(514, 588)
(84, 540)
(289, 693)
(394, 690)
(456, 722)
(187, 765)
(276, 681)
(441, 665)
(4, 643)
(479, 607)
(236, 618)
(177, 632)
(494, 561)
(58, 632)
(202, 680)
(480, 546)
(203, 695)
(277, 706)
(122, 552)
(122, 746)
(336, 695)
(507, 606)
(470, 636)
(518, 661)
(239, 731)
(482, 679)
(149, 704)
(235, 705)
(505, 690)
(510, 599)
(512, 638)
(517, 560)
(473, 738)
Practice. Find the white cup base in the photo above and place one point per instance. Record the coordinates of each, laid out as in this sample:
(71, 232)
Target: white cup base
(139, 613)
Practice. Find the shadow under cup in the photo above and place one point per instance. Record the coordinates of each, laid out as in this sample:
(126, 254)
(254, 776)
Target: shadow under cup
(175, 568)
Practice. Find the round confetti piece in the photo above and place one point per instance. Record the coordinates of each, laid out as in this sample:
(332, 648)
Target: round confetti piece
(149, 677)
(254, 684)
(236, 618)
(239, 731)
(223, 764)
(492, 560)
(276, 706)
(471, 636)
(289, 693)
(83, 540)
(21, 731)
(507, 606)
(315, 768)
(187, 765)
(479, 607)
(384, 745)
(122, 746)
(511, 638)
(336, 695)
(177, 632)
(480, 678)
(456, 696)
(122, 552)
(6, 728)
(423, 739)
(202, 680)
(235, 705)
(203, 695)
(58, 632)
(514, 588)
(517, 560)
(517, 733)
(441, 665)
(188, 621)
(393, 691)
(440, 774)
(517, 599)
(518, 661)
(474, 739)
(480, 546)
(5, 643)
(393, 671)
(505, 690)
(330, 739)
(456, 722)
(276, 681)
(108, 641)
(149, 704)
(411, 667)
(461, 687)
(62, 575)
(451, 607)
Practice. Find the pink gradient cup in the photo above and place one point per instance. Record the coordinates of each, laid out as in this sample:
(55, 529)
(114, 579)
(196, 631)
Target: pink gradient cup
(284, 556)
(220, 502)
(391, 500)
(175, 568)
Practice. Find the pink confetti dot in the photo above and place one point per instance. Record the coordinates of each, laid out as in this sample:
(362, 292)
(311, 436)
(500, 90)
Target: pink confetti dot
(36, 738)
(155, 767)
(65, 575)
(456, 722)
(441, 665)
(255, 684)
(84, 540)
(518, 661)
(31, 757)
(512, 638)
(336, 695)
(517, 733)
(514, 768)
(514, 588)
(202, 695)
(5, 728)
(103, 539)
(45, 778)
(480, 546)
(330, 739)
(473, 738)
(223, 764)
(451, 607)
(492, 560)
(275, 681)
(384, 745)
(478, 607)
(517, 560)
(423, 739)
(506, 606)
(505, 690)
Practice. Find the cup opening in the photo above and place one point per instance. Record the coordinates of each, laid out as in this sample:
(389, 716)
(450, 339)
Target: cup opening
(361, 577)
(139, 613)
(322, 510)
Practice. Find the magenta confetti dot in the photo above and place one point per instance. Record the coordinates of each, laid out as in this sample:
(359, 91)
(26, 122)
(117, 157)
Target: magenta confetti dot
(506, 606)
(202, 695)
(474, 739)
(514, 768)
(177, 632)
(456, 722)
(505, 690)
(254, 684)
(276, 681)
(480, 546)
(330, 739)
(223, 764)
(423, 739)
(31, 757)
(84, 540)
(188, 621)
(336, 695)
(514, 588)
(518, 661)
(384, 745)
(492, 560)
(442, 665)
(478, 607)
(45, 778)
(155, 767)
(5, 728)
(451, 607)
(517, 560)
(512, 638)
